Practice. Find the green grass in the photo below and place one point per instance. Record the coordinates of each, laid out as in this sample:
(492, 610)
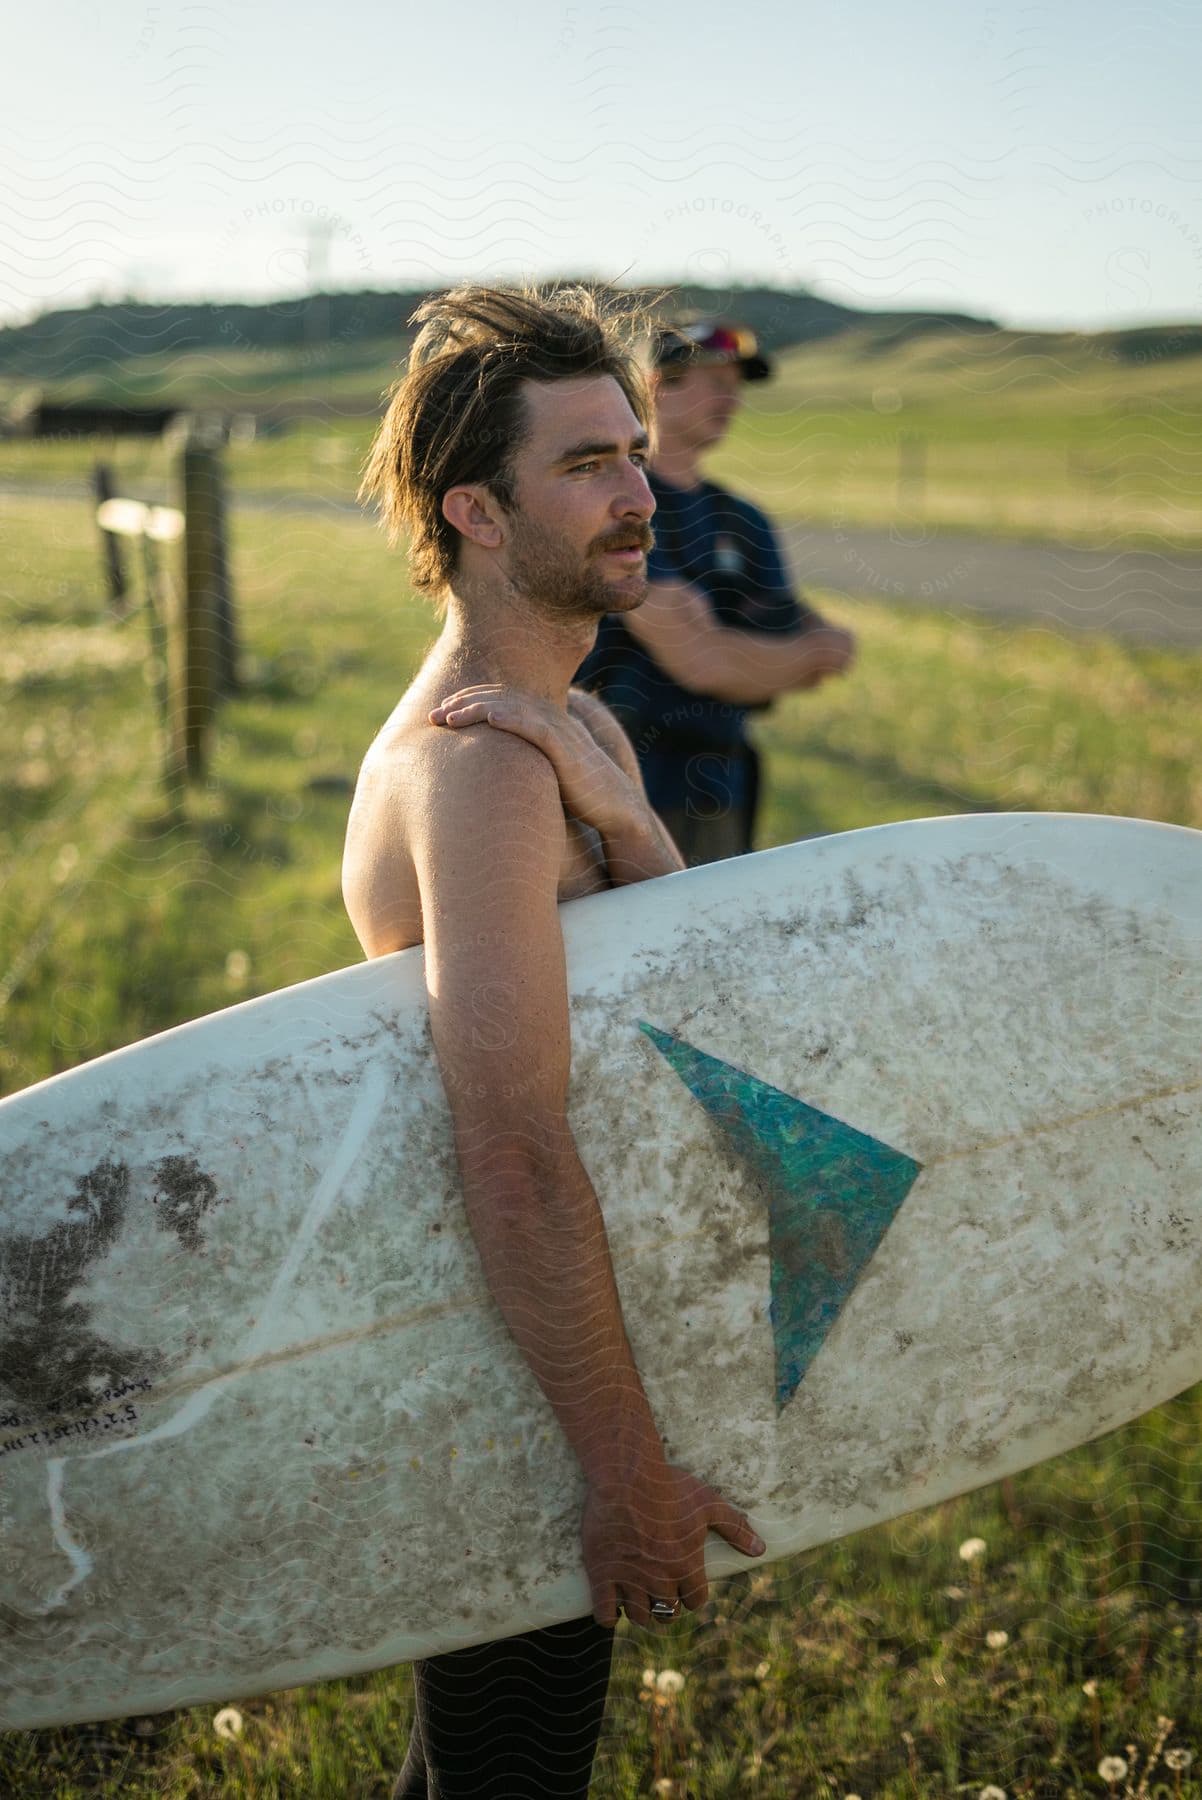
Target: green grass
(861, 1668)
(1017, 435)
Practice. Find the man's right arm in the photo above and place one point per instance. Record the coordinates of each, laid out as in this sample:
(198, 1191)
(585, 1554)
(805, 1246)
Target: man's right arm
(488, 857)
(487, 848)
(677, 626)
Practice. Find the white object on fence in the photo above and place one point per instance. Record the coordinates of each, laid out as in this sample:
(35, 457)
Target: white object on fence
(133, 518)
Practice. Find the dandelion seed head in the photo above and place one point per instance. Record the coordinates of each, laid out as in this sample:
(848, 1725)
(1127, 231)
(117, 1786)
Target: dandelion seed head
(1112, 1768)
(228, 1723)
(971, 1548)
(992, 1793)
(64, 862)
(1178, 1758)
(649, 1678)
(997, 1640)
(669, 1681)
(1090, 1687)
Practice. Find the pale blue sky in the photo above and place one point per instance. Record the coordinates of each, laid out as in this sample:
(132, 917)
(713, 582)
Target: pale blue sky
(1041, 163)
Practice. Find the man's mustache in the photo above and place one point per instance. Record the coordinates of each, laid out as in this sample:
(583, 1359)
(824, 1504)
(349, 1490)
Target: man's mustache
(631, 538)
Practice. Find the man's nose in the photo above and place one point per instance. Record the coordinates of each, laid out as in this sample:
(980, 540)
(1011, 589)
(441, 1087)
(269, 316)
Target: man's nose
(636, 496)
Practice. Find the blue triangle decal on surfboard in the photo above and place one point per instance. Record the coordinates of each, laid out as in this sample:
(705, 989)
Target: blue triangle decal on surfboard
(833, 1192)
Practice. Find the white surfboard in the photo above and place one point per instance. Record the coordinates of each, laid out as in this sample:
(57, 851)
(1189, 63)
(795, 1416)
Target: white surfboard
(898, 1141)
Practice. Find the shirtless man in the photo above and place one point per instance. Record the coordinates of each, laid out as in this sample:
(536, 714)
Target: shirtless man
(514, 453)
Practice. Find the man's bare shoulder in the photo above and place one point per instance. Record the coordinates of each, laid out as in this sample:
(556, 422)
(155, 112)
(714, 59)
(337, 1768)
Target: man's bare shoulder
(425, 773)
(442, 807)
(441, 752)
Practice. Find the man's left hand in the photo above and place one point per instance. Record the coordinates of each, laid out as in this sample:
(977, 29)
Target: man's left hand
(594, 789)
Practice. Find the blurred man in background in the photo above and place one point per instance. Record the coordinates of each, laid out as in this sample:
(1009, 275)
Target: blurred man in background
(721, 632)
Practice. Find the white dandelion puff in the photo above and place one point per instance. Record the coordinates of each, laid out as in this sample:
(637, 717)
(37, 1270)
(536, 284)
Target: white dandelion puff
(228, 1724)
(971, 1548)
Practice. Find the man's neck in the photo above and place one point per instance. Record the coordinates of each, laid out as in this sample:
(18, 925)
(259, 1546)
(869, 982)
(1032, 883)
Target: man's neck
(512, 645)
(678, 466)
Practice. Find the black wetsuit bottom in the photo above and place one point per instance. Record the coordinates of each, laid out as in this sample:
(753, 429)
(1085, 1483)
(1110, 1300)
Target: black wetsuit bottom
(517, 1719)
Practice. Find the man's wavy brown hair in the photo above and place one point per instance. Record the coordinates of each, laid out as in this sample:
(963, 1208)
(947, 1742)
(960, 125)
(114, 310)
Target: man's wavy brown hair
(456, 415)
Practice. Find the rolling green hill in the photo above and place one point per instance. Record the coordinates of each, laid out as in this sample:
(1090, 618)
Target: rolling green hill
(332, 356)
(326, 351)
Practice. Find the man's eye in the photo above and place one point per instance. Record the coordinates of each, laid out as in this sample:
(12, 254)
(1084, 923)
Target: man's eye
(576, 469)
(641, 457)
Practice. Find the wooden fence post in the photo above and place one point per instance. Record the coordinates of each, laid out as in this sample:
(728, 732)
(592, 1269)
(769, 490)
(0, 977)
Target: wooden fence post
(194, 660)
(110, 543)
(226, 640)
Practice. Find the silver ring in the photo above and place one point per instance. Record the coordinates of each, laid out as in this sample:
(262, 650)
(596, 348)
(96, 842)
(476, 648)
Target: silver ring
(664, 1609)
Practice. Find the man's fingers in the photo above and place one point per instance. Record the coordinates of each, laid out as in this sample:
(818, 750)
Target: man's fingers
(696, 1592)
(636, 1606)
(505, 713)
(509, 714)
(605, 1604)
(463, 697)
(473, 691)
(470, 713)
(737, 1529)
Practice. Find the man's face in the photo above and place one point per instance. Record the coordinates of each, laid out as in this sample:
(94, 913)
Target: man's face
(694, 411)
(577, 543)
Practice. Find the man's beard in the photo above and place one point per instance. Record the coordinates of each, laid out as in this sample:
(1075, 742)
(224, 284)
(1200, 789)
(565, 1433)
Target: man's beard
(556, 578)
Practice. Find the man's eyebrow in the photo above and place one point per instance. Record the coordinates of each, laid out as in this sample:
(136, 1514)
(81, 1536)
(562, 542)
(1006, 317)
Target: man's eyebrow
(578, 452)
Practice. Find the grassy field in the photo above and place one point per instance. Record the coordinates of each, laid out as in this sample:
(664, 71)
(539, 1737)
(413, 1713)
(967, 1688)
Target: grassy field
(887, 1666)
(1025, 435)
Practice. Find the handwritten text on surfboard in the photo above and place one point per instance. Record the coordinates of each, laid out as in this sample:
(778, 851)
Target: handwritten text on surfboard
(94, 1425)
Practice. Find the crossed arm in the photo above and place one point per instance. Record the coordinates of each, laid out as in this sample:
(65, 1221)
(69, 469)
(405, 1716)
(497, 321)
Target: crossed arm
(677, 626)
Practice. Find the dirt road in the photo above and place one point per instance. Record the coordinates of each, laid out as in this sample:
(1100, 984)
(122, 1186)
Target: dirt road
(1142, 595)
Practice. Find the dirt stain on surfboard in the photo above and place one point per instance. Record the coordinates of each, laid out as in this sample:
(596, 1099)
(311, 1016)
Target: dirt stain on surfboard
(52, 1356)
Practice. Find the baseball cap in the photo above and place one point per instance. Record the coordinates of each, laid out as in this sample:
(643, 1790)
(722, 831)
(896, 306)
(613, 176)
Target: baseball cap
(711, 341)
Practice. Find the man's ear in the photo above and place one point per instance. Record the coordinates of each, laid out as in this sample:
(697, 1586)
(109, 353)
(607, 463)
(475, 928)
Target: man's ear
(476, 515)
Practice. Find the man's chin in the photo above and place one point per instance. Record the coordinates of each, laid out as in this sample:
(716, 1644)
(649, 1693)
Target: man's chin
(628, 593)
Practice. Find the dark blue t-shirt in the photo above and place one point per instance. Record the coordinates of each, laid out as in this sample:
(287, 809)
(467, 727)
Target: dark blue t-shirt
(726, 548)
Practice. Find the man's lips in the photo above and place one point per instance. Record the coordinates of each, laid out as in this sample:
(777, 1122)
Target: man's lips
(630, 548)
